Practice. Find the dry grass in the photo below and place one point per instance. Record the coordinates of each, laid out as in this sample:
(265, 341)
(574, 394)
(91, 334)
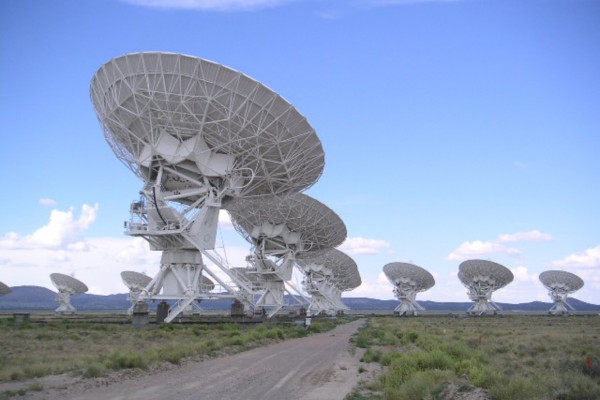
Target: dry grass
(32, 350)
(511, 357)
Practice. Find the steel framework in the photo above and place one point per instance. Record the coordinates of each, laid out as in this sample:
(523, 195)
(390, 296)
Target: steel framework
(198, 134)
(281, 229)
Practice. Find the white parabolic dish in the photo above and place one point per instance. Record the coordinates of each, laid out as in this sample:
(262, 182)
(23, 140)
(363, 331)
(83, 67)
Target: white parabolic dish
(472, 272)
(419, 278)
(343, 268)
(203, 120)
(135, 281)
(567, 282)
(297, 218)
(66, 283)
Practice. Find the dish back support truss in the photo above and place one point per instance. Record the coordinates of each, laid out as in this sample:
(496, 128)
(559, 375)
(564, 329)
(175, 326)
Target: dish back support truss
(280, 230)
(408, 280)
(198, 133)
(560, 285)
(482, 278)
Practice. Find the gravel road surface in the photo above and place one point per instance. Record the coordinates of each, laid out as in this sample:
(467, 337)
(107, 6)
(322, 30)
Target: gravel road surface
(318, 367)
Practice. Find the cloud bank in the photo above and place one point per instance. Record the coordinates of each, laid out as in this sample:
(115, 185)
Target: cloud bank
(478, 248)
(360, 245)
(62, 231)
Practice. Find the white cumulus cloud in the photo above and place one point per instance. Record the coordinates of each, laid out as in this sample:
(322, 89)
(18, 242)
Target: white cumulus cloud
(482, 248)
(360, 245)
(62, 231)
(587, 259)
(532, 236)
(478, 248)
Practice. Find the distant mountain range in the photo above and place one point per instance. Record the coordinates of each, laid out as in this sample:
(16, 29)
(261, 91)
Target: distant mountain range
(37, 298)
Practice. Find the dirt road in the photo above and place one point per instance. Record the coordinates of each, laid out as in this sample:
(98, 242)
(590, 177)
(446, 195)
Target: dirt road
(318, 367)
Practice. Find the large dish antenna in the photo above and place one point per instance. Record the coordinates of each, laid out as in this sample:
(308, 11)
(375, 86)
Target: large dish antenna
(560, 285)
(294, 222)
(4, 289)
(203, 120)
(482, 278)
(198, 133)
(326, 275)
(67, 286)
(408, 280)
(280, 230)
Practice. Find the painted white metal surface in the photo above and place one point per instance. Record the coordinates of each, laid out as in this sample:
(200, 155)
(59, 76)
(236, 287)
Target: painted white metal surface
(67, 286)
(408, 280)
(560, 285)
(198, 134)
(482, 278)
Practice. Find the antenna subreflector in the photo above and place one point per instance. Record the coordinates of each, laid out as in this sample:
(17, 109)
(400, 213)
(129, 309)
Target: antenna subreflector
(560, 285)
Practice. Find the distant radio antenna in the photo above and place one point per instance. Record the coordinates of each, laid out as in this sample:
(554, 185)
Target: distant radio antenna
(560, 285)
(482, 278)
(408, 280)
(136, 282)
(67, 286)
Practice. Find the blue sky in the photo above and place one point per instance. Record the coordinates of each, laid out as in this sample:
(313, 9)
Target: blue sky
(451, 129)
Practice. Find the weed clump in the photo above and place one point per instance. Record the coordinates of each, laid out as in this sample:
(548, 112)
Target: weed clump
(506, 358)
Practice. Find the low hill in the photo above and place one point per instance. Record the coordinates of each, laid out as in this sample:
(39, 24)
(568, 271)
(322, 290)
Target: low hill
(36, 298)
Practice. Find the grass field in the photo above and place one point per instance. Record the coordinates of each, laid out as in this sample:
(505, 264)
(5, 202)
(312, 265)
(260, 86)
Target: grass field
(92, 347)
(501, 358)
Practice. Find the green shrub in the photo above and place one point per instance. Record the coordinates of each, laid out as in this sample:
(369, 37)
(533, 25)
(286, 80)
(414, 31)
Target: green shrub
(483, 377)
(371, 356)
(516, 388)
(121, 360)
(94, 370)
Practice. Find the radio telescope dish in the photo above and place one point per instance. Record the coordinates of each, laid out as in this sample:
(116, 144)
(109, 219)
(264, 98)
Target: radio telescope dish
(67, 286)
(560, 285)
(281, 229)
(294, 222)
(408, 280)
(135, 281)
(203, 120)
(482, 278)
(326, 275)
(4, 289)
(198, 133)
